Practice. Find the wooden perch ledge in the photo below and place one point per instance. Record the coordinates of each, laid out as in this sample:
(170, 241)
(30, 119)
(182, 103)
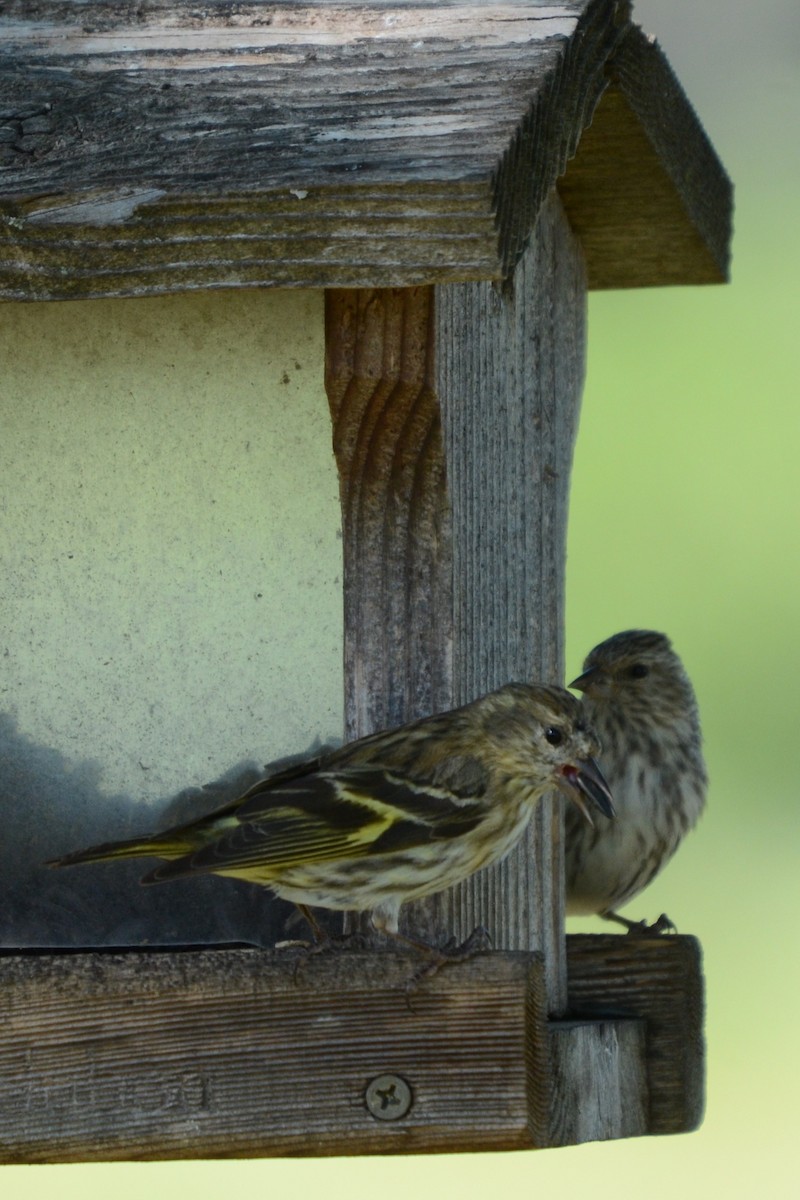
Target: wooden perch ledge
(168, 145)
(232, 1053)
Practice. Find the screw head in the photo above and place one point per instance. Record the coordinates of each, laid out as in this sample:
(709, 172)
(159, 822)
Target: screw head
(388, 1097)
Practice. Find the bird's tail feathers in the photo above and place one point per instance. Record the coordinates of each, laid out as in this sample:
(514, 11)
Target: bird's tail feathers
(134, 848)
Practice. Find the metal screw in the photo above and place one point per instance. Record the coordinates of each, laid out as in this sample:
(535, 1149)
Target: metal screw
(388, 1097)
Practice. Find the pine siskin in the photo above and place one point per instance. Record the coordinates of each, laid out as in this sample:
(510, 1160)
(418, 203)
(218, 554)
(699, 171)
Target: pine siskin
(639, 699)
(395, 816)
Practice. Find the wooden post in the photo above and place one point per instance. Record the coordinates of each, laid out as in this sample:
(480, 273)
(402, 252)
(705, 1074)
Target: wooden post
(455, 412)
(387, 437)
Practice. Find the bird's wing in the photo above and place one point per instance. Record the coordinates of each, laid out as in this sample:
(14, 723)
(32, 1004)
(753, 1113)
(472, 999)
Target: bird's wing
(327, 815)
(461, 774)
(414, 752)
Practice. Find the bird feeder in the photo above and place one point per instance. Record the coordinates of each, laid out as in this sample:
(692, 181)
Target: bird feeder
(455, 176)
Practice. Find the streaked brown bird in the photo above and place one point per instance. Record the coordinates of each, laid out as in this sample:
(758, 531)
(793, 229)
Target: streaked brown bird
(637, 696)
(395, 816)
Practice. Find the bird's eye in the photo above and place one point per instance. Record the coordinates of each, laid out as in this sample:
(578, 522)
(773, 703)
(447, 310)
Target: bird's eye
(638, 671)
(554, 736)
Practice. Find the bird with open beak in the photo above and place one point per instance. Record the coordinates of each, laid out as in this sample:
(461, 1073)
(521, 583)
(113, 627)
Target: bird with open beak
(392, 817)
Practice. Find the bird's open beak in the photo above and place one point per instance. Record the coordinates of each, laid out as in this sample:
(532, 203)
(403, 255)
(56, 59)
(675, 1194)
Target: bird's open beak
(583, 781)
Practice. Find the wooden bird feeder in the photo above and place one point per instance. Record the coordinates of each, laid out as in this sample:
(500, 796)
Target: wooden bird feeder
(455, 175)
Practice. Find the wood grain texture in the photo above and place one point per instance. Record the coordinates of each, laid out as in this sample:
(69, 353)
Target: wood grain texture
(316, 145)
(599, 1081)
(233, 1054)
(166, 146)
(387, 440)
(242, 1053)
(645, 192)
(455, 412)
(510, 376)
(661, 981)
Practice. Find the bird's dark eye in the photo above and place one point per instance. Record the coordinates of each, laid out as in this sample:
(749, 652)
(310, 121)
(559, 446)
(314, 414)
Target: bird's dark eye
(554, 736)
(638, 671)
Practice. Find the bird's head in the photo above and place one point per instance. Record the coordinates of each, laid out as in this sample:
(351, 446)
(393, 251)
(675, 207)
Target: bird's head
(639, 672)
(540, 733)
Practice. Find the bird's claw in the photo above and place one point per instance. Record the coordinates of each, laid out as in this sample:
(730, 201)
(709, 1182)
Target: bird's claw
(641, 928)
(328, 943)
(662, 925)
(452, 951)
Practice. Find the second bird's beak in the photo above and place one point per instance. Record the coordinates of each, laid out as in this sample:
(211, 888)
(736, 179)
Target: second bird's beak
(584, 680)
(594, 681)
(585, 781)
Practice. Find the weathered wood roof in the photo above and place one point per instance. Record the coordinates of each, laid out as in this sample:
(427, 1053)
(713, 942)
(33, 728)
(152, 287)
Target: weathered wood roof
(165, 145)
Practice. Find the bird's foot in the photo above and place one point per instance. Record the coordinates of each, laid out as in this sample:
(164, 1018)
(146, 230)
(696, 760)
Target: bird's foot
(328, 943)
(641, 928)
(478, 941)
(442, 956)
(322, 940)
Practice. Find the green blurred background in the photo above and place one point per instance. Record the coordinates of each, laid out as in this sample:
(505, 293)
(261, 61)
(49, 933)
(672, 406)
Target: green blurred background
(684, 518)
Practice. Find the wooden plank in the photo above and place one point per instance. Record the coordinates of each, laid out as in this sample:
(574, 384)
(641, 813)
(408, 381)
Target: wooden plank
(311, 234)
(242, 1053)
(411, 90)
(455, 413)
(660, 980)
(645, 192)
(599, 1081)
(363, 144)
(234, 1054)
(155, 129)
(239, 1053)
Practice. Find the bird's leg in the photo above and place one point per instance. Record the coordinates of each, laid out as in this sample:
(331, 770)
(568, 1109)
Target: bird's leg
(317, 932)
(320, 937)
(323, 940)
(641, 928)
(479, 940)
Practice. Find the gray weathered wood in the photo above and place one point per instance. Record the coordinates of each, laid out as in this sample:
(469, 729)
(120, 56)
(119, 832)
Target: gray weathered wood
(599, 1081)
(455, 414)
(380, 354)
(661, 980)
(644, 192)
(233, 1054)
(369, 143)
(510, 376)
